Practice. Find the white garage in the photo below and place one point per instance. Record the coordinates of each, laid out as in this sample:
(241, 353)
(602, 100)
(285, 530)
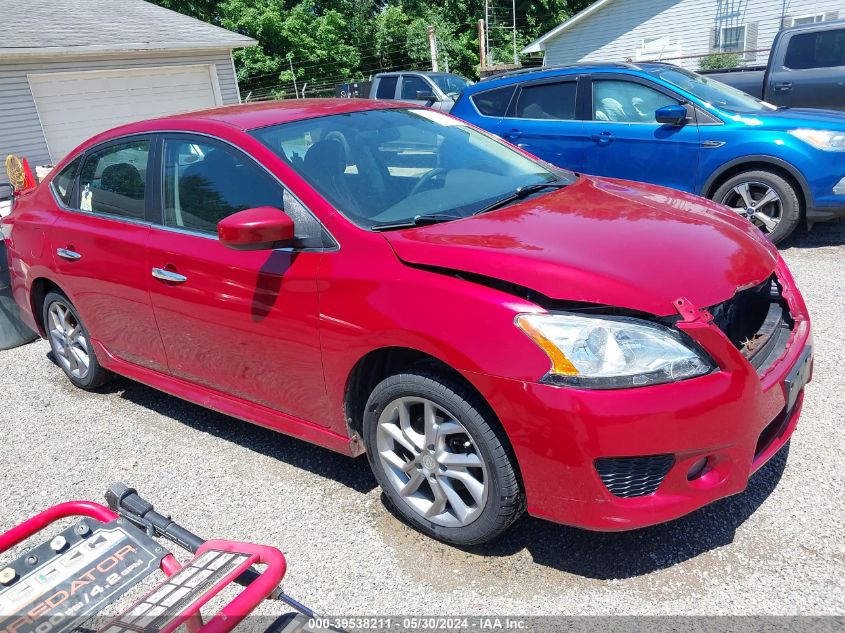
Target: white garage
(73, 106)
(70, 69)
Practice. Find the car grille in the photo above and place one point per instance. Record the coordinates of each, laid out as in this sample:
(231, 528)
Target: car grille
(757, 321)
(633, 476)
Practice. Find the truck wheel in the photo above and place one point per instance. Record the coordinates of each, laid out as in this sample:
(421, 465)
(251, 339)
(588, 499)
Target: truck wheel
(71, 344)
(764, 198)
(440, 460)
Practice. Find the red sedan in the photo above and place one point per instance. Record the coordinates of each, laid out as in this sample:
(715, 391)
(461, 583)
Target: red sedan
(494, 333)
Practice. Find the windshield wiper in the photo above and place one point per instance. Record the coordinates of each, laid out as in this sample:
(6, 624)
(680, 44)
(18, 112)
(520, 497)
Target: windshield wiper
(419, 220)
(520, 193)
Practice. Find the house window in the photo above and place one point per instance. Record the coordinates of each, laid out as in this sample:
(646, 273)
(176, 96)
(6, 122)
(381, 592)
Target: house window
(732, 39)
(808, 19)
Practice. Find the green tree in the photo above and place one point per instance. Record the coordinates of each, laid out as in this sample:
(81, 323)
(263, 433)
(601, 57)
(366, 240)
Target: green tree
(391, 38)
(332, 41)
(315, 40)
(205, 10)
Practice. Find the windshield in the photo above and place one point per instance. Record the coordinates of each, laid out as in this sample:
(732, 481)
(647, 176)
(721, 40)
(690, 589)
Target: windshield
(711, 91)
(452, 85)
(390, 166)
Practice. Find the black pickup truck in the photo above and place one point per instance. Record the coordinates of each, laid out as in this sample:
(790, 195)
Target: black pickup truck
(806, 69)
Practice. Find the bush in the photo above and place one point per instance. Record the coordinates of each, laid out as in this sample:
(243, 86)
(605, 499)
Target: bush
(719, 61)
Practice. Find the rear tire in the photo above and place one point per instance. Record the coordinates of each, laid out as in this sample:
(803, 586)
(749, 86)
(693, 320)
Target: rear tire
(71, 343)
(441, 459)
(767, 199)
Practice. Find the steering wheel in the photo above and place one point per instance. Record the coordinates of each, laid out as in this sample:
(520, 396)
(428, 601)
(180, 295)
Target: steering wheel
(428, 177)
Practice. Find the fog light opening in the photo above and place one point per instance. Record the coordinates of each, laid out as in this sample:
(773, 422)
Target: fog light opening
(700, 468)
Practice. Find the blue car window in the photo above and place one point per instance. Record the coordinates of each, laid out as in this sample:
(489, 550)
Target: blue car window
(547, 101)
(493, 102)
(627, 102)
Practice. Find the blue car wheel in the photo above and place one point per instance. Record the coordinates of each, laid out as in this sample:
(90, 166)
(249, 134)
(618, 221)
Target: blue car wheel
(764, 198)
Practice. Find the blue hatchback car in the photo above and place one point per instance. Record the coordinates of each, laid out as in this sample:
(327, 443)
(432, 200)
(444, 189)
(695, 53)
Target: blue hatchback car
(661, 124)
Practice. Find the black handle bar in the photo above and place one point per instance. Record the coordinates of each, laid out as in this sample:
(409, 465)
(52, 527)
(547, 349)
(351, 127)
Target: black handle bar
(129, 504)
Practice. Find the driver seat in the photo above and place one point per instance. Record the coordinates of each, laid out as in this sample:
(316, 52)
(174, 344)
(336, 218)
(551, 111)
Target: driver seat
(325, 165)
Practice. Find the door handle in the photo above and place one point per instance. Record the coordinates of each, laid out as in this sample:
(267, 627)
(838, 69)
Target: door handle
(170, 276)
(68, 254)
(783, 86)
(602, 139)
(513, 134)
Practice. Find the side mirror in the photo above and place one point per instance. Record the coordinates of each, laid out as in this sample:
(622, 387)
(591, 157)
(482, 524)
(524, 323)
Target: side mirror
(425, 95)
(259, 229)
(671, 115)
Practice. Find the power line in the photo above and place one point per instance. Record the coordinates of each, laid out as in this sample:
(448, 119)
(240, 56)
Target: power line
(324, 84)
(398, 48)
(320, 65)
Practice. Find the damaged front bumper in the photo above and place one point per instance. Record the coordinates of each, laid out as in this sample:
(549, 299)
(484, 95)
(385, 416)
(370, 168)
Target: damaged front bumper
(624, 459)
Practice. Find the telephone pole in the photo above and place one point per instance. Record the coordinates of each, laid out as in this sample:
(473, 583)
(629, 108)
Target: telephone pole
(290, 60)
(482, 53)
(432, 45)
(487, 32)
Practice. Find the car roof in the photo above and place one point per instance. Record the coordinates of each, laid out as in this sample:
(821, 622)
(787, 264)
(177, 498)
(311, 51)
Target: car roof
(427, 73)
(530, 74)
(243, 117)
(249, 116)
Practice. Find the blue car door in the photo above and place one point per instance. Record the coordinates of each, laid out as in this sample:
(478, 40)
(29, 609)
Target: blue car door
(543, 119)
(627, 142)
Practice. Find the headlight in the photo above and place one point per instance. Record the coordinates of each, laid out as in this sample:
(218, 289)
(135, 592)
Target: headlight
(822, 139)
(598, 352)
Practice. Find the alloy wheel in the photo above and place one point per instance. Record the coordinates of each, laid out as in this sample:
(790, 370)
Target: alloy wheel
(69, 342)
(432, 462)
(756, 201)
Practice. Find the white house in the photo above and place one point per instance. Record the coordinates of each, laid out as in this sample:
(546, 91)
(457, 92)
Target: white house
(680, 31)
(72, 68)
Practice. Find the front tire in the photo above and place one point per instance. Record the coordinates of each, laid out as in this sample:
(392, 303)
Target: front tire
(766, 199)
(441, 459)
(71, 343)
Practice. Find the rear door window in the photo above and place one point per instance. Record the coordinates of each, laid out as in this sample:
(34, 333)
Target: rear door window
(547, 101)
(494, 102)
(822, 49)
(63, 182)
(387, 88)
(113, 180)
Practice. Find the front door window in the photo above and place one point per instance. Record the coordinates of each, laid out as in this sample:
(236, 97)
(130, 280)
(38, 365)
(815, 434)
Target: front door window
(205, 183)
(627, 101)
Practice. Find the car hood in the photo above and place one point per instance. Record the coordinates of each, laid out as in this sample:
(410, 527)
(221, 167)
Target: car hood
(603, 241)
(792, 118)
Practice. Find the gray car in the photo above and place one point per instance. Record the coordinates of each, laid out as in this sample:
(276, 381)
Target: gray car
(435, 90)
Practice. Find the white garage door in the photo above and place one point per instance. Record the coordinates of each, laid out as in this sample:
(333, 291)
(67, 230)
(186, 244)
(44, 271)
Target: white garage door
(74, 106)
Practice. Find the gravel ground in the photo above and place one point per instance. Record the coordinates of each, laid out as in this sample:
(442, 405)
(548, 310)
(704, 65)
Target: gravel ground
(778, 548)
